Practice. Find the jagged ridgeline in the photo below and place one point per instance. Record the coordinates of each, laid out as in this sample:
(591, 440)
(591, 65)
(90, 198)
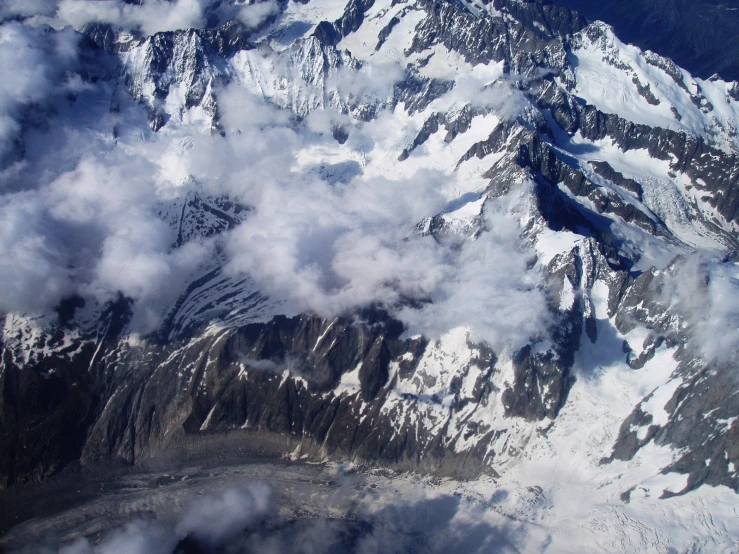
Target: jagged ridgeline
(615, 170)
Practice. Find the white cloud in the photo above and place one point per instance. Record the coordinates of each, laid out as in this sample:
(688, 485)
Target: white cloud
(328, 246)
(30, 63)
(26, 8)
(137, 537)
(127, 248)
(33, 267)
(488, 286)
(253, 15)
(368, 83)
(705, 293)
(94, 231)
(334, 248)
(216, 519)
(320, 246)
(151, 17)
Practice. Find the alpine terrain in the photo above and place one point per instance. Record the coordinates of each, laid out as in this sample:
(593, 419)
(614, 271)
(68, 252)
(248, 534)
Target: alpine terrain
(697, 35)
(482, 248)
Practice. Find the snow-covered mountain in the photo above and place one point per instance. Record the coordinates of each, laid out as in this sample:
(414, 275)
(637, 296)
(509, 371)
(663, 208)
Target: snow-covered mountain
(477, 240)
(697, 35)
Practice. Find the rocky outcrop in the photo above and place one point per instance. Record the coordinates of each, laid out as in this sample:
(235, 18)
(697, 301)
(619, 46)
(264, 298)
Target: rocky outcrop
(224, 368)
(699, 407)
(482, 38)
(320, 386)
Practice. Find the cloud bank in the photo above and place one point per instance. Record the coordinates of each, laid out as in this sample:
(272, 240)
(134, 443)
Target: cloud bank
(328, 231)
(147, 17)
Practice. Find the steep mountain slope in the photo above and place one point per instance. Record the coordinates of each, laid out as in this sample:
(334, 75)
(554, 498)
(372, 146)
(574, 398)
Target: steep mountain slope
(481, 241)
(697, 35)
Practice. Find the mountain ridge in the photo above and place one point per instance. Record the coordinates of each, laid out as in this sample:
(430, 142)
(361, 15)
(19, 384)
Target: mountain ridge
(613, 242)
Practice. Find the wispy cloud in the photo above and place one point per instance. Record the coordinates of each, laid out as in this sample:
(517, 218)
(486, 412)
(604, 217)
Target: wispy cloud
(704, 292)
(327, 245)
(33, 65)
(151, 16)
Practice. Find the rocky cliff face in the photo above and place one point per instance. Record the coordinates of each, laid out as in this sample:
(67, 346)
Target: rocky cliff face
(604, 202)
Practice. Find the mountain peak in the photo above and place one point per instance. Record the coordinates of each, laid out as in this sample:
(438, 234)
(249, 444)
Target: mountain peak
(476, 241)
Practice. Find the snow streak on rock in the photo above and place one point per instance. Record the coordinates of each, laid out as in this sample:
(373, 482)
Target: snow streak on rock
(476, 241)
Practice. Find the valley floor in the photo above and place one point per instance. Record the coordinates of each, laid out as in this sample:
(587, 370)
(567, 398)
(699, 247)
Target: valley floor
(302, 507)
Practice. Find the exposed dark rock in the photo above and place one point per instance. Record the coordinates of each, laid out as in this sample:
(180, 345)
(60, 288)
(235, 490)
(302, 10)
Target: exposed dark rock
(535, 373)
(418, 92)
(99, 36)
(734, 91)
(646, 92)
(385, 32)
(331, 33)
(325, 388)
(545, 162)
(430, 126)
(339, 134)
(327, 34)
(605, 170)
(48, 404)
